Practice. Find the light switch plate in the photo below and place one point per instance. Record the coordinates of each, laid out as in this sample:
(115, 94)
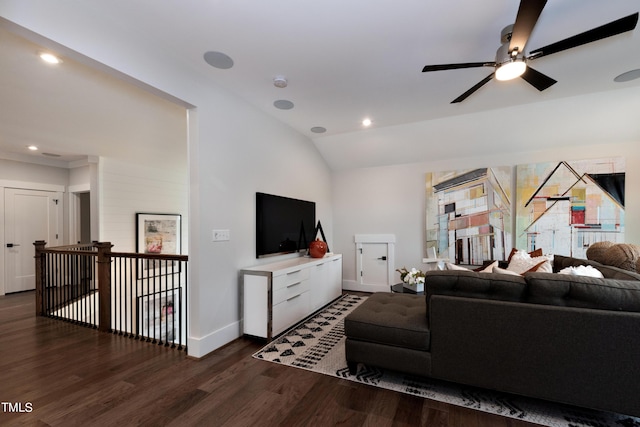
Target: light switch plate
(221, 235)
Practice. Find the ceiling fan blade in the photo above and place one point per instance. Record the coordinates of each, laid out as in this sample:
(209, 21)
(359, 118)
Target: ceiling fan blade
(528, 14)
(473, 89)
(456, 66)
(537, 79)
(616, 27)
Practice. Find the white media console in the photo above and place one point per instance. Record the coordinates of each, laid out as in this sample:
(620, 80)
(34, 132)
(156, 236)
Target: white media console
(278, 295)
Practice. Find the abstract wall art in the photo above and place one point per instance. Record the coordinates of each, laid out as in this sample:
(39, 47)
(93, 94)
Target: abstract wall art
(468, 214)
(564, 206)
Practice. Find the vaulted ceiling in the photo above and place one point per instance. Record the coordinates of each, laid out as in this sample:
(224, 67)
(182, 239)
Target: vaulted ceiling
(343, 61)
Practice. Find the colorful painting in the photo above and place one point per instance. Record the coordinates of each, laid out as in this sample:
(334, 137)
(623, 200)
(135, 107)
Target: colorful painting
(159, 317)
(158, 234)
(469, 214)
(562, 207)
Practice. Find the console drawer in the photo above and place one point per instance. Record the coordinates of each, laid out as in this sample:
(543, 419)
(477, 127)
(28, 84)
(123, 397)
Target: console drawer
(289, 291)
(290, 311)
(295, 276)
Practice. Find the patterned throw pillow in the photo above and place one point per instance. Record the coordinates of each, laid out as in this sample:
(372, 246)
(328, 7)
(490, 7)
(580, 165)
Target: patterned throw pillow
(533, 254)
(522, 262)
(542, 267)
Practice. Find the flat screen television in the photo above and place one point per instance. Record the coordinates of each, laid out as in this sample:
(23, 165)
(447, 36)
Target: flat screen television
(283, 224)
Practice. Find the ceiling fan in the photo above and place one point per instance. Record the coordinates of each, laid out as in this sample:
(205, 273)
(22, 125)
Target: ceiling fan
(511, 62)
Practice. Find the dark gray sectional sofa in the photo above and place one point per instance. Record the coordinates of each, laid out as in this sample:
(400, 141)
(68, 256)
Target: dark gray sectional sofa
(564, 338)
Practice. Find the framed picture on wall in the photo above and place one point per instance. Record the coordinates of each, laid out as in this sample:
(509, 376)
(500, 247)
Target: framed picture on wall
(158, 234)
(159, 315)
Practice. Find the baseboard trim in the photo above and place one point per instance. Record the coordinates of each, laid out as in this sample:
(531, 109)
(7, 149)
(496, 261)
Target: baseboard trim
(352, 285)
(200, 347)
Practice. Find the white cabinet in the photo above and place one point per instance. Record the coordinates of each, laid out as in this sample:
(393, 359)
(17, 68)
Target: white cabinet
(325, 282)
(277, 296)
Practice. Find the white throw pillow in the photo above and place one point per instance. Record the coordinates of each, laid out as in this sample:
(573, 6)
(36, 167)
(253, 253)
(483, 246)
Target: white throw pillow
(504, 271)
(582, 270)
(489, 268)
(545, 267)
(450, 266)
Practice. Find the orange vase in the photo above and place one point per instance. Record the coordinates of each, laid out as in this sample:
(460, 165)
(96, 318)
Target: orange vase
(317, 249)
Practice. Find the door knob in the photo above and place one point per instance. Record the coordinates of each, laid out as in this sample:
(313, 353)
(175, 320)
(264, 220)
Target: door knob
(383, 258)
(11, 245)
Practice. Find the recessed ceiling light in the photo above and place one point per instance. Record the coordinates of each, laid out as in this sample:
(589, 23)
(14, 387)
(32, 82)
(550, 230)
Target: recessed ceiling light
(629, 75)
(280, 82)
(49, 58)
(32, 147)
(318, 129)
(218, 60)
(366, 122)
(283, 104)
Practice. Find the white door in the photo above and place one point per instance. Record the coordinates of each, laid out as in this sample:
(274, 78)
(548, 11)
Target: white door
(30, 215)
(375, 264)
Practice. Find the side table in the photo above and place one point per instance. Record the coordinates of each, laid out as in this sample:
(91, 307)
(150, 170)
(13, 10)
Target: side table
(399, 288)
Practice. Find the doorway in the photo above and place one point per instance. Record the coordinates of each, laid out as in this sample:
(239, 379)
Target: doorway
(375, 261)
(29, 215)
(79, 216)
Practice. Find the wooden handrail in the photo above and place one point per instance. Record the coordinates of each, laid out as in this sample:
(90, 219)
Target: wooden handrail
(168, 257)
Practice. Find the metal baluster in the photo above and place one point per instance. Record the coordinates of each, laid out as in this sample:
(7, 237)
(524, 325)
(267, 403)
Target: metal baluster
(83, 294)
(94, 272)
(176, 301)
(66, 290)
(155, 302)
(124, 302)
(116, 295)
(47, 288)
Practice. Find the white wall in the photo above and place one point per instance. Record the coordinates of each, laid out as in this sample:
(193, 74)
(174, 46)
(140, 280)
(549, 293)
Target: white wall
(147, 173)
(80, 176)
(392, 199)
(29, 172)
(134, 186)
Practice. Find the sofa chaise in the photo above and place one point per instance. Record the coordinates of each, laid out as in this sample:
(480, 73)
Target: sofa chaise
(564, 338)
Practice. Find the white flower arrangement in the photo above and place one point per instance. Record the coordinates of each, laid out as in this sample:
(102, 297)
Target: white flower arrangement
(412, 277)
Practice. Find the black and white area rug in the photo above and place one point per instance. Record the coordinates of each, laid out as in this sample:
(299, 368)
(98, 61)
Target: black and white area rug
(317, 344)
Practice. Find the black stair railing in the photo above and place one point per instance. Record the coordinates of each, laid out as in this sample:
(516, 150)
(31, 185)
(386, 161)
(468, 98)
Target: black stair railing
(142, 296)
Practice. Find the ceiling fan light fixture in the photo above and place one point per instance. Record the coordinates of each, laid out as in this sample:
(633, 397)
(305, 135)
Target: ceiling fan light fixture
(510, 70)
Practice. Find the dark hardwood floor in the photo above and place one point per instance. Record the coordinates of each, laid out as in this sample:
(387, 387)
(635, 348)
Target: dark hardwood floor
(59, 374)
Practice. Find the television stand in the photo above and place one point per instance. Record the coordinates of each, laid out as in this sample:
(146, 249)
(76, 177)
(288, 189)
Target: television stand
(276, 296)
